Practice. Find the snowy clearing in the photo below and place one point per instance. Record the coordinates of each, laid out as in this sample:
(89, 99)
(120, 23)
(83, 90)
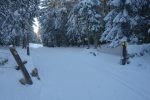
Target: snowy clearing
(75, 74)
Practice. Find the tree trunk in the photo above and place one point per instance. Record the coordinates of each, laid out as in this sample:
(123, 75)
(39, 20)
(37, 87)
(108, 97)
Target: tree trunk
(24, 42)
(95, 40)
(28, 50)
(88, 42)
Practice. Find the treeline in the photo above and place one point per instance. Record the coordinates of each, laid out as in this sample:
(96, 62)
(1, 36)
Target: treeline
(16, 20)
(75, 22)
(85, 22)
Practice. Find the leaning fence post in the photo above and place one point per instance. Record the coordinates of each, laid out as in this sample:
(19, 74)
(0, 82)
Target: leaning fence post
(21, 66)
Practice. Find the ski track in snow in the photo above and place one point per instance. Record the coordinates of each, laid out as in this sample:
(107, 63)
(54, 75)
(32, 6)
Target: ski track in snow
(75, 74)
(125, 83)
(129, 85)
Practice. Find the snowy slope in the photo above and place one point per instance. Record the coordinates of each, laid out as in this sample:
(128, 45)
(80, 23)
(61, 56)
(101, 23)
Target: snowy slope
(75, 74)
(138, 48)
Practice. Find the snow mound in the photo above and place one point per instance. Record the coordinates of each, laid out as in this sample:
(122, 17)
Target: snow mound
(32, 45)
(93, 52)
(138, 48)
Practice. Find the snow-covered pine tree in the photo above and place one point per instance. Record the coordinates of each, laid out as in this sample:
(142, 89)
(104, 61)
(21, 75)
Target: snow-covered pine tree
(16, 20)
(84, 19)
(53, 20)
(4, 20)
(126, 19)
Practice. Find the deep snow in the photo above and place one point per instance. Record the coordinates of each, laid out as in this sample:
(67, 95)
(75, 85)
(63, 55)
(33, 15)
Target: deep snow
(75, 74)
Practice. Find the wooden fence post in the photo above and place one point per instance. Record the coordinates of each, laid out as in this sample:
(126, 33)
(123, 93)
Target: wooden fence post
(21, 65)
(124, 53)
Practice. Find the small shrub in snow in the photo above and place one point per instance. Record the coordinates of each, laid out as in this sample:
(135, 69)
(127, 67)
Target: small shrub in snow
(34, 73)
(3, 61)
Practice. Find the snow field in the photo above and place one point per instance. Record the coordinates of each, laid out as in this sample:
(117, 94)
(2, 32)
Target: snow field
(75, 74)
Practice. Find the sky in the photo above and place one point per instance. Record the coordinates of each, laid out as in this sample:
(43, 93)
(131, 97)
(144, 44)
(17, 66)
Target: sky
(36, 25)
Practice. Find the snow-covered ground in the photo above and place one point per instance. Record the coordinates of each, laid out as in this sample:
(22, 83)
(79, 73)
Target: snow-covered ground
(76, 74)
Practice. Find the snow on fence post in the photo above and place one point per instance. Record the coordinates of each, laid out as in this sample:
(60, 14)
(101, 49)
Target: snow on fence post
(21, 66)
